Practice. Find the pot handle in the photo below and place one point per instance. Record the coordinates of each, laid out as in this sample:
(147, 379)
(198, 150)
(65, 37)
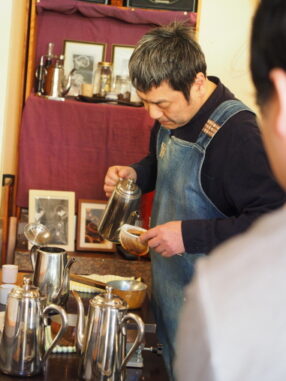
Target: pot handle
(66, 279)
(139, 337)
(61, 332)
(34, 254)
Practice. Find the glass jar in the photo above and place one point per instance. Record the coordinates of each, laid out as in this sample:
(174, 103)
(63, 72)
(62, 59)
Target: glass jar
(123, 87)
(102, 79)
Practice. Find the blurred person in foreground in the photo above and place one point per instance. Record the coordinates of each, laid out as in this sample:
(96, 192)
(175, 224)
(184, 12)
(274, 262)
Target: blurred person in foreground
(206, 163)
(233, 324)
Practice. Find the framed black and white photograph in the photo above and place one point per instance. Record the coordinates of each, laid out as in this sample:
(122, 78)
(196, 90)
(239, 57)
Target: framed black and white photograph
(56, 211)
(88, 237)
(84, 57)
(120, 59)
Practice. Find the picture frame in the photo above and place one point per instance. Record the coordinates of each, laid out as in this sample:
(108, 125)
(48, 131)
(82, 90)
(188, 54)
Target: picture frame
(56, 211)
(84, 57)
(120, 57)
(88, 238)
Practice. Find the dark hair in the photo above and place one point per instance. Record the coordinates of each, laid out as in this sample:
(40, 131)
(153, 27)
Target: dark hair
(268, 45)
(167, 53)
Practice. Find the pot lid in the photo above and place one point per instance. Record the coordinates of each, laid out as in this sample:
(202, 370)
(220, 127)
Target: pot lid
(26, 291)
(128, 187)
(107, 299)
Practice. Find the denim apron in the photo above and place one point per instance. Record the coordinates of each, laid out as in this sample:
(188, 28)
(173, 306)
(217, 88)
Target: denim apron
(179, 196)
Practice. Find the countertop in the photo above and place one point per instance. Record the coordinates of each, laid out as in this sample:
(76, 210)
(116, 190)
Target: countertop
(65, 366)
(99, 263)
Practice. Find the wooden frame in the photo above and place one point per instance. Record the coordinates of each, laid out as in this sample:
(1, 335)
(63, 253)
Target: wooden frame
(84, 57)
(55, 210)
(88, 239)
(120, 59)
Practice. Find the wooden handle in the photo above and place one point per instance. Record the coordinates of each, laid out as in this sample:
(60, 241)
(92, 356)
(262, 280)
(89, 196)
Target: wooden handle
(89, 282)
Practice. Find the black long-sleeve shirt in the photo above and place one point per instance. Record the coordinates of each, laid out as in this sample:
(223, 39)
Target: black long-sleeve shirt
(235, 175)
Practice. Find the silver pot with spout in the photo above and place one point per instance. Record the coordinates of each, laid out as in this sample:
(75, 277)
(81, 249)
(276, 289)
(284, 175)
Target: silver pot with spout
(102, 339)
(22, 347)
(123, 202)
(56, 85)
(51, 273)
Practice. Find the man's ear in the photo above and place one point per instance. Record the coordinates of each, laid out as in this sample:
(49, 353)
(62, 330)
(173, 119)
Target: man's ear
(200, 82)
(200, 78)
(278, 77)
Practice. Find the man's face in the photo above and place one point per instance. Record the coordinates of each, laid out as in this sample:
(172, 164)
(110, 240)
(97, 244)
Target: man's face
(169, 106)
(273, 126)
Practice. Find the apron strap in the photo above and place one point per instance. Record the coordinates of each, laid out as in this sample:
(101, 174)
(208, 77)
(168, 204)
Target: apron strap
(218, 118)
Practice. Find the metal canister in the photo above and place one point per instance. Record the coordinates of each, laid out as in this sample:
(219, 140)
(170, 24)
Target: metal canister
(102, 79)
(124, 200)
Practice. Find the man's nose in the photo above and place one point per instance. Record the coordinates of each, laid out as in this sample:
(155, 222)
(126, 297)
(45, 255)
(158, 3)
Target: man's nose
(154, 111)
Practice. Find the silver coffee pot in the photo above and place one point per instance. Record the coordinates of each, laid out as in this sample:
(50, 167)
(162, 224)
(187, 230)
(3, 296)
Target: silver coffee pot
(123, 202)
(56, 85)
(102, 339)
(51, 273)
(22, 347)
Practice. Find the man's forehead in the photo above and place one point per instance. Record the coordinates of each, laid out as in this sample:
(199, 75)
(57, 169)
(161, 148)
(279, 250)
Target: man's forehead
(162, 93)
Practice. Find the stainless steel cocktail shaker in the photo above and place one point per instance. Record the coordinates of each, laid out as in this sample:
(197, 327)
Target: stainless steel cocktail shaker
(124, 200)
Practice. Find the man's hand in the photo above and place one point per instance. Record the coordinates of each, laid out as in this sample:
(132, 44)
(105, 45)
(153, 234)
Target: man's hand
(114, 174)
(165, 239)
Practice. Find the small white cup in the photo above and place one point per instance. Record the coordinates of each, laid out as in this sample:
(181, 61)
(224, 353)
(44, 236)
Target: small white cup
(9, 273)
(4, 292)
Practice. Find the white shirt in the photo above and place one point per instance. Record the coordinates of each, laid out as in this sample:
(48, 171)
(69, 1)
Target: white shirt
(233, 323)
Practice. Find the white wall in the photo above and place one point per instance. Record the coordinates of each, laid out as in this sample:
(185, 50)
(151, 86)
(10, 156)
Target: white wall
(5, 29)
(223, 33)
(13, 29)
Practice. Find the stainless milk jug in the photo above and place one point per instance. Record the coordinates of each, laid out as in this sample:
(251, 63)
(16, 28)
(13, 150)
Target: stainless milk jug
(124, 200)
(101, 340)
(22, 348)
(51, 273)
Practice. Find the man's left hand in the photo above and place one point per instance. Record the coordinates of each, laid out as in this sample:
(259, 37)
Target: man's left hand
(165, 239)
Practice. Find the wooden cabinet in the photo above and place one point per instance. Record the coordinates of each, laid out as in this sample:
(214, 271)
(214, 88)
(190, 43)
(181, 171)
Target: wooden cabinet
(59, 20)
(56, 21)
(94, 135)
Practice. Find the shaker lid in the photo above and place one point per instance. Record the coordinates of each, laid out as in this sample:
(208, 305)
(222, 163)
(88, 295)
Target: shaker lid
(27, 290)
(107, 299)
(128, 187)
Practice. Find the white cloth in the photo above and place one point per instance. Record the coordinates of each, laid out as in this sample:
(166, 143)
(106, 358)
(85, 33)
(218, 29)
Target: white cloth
(233, 323)
(76, 286)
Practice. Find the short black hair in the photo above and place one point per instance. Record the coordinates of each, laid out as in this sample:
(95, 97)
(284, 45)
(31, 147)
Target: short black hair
(268, 45)
(167, 53)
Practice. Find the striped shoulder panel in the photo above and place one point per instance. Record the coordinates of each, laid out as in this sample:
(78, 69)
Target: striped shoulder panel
(211, 128)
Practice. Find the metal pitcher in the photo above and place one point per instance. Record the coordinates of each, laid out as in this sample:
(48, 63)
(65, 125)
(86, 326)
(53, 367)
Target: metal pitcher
(22, 348)
(56, 85)
(102, 339)
(123, 202)
(51, 273)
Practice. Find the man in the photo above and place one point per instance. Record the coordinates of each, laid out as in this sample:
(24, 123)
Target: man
(232, 326)
(206, 163)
